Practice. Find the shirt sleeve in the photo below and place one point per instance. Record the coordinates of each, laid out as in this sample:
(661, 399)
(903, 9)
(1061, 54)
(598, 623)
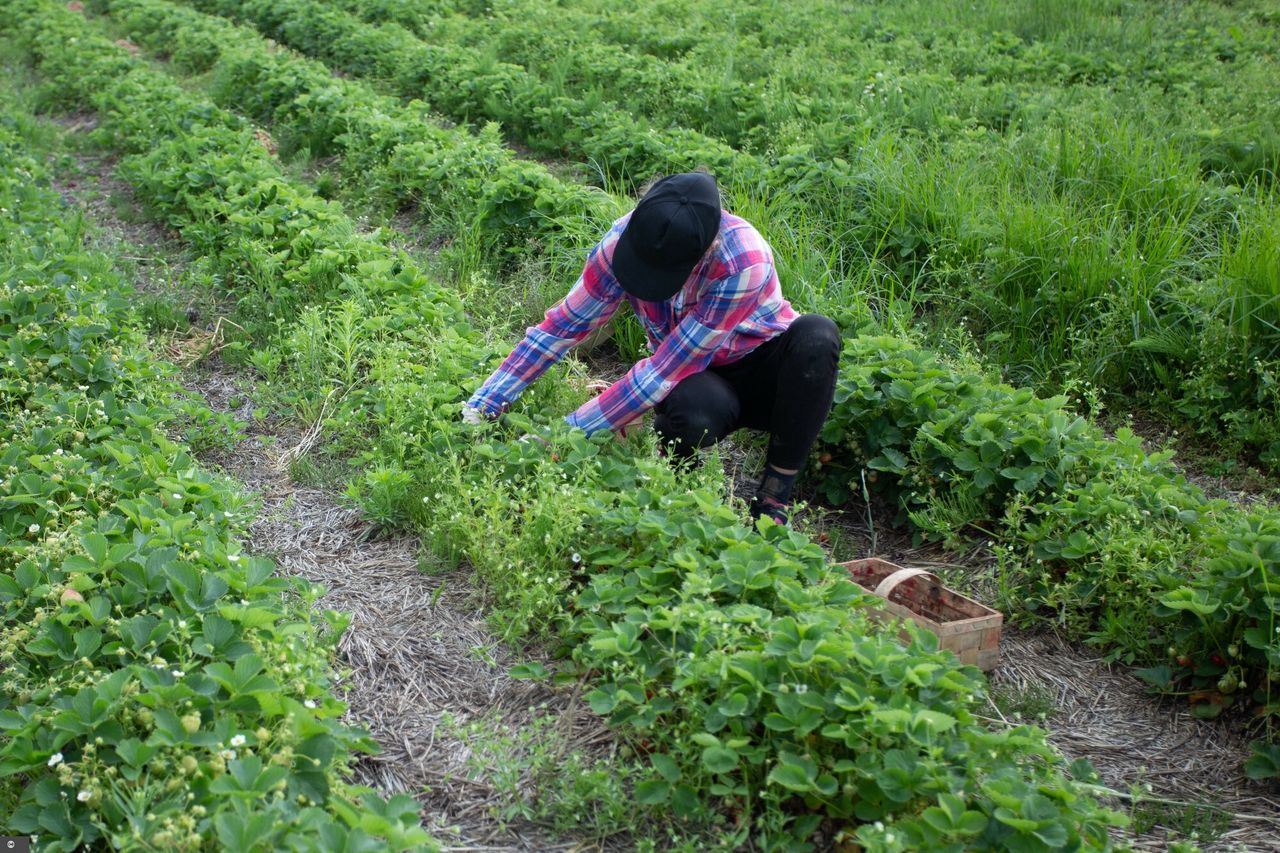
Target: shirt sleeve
(591, 302)
(687, 350)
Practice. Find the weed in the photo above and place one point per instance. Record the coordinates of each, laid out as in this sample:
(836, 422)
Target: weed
(1197, 824)
(1032, 702)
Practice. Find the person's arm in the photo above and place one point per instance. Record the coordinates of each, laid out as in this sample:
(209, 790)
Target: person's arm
(687, 350)
(591, 302)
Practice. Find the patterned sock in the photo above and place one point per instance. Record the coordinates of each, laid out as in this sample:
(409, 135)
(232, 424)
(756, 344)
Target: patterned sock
(773, 496)
(777, 485)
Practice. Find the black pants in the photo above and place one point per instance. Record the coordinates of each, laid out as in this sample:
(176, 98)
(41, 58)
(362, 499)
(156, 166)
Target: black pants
(784, 387)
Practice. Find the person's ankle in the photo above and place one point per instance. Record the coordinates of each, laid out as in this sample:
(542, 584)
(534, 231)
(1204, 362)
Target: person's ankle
(777, 483)
(764, 506)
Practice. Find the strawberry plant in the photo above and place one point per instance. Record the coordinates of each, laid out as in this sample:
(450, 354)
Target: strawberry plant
(159, 686)
(733, 660)
(437, 362)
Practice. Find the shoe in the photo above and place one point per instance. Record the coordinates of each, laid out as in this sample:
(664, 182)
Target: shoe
(764, 505)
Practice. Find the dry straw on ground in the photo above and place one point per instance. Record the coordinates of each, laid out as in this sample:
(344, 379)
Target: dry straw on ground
(417, 648)
(197, 344)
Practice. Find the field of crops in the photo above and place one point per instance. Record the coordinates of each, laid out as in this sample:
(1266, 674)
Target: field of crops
(1049, 232)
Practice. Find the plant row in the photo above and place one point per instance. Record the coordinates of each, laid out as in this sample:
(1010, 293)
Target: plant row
(1093, 534)
(160, 686)
(740, 664)
(470, 85)
(1101, 568)
(769, 79)
(1085, 247)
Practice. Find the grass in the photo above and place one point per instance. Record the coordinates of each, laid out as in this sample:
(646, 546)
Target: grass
(1090, 188)
(1197, 823)
(1031, 702)
(332, 351)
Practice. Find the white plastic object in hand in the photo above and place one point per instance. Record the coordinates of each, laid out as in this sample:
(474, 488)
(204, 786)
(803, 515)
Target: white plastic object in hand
(471, 415)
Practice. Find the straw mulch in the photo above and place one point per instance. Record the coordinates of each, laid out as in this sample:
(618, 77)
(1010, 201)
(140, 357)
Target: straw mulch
(417, 647)
(1105, 714)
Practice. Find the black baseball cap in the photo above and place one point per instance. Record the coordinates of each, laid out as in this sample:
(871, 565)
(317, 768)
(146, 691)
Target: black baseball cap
(668, 233)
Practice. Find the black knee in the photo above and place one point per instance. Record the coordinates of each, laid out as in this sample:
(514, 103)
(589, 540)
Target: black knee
(816, 334)
(815, 345)
(688, 429)
(697, 413)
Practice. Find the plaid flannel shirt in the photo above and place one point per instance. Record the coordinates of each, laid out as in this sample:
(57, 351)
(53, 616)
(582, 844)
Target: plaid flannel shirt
(731, 303)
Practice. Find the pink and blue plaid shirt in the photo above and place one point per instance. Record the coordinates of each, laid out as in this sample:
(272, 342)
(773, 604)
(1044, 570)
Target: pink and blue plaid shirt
(730, 305)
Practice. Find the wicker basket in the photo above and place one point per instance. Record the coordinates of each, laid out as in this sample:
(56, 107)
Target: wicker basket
(969, 629)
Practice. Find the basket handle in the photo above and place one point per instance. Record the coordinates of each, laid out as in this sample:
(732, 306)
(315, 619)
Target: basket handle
(891, 582)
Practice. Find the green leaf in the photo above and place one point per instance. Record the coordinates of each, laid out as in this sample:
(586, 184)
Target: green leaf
(719, 759)
(734, 705)
(890, 459)
(1158, 676)
(666, 766)
(789, 776)
(95, 545)
(135, 753)
(778, 723)
(795, 772)
(1184, 598)
(1265, 761)
(684, 800)
(533, 671)
(1021, 824)
(935, 721)
(652, 792)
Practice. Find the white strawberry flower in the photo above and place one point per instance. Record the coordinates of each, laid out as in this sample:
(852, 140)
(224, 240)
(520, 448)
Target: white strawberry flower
(237, 740)
(55, 759)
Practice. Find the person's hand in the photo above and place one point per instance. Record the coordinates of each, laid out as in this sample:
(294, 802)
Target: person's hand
(628, 429)
(471, 416)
